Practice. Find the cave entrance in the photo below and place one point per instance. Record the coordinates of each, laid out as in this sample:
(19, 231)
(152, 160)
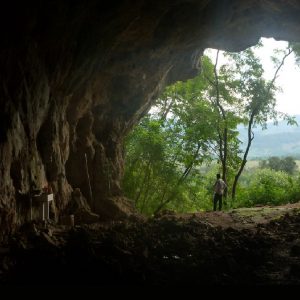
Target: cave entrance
(238, 118)
(75, 77)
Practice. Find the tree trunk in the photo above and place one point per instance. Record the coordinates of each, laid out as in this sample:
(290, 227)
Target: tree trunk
(244, 161)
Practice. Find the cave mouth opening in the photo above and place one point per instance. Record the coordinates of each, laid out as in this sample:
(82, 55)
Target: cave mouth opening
(223, 92)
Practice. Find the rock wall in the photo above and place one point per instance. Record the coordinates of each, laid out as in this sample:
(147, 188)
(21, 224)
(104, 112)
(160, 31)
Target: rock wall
(77, 75)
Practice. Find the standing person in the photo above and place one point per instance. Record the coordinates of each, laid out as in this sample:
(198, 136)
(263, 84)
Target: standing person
(219, 188)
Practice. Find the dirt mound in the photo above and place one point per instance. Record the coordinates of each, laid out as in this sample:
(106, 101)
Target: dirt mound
(169, 250)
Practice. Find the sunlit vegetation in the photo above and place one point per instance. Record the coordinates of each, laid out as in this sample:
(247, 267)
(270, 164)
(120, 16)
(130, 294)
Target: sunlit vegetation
(191, 134)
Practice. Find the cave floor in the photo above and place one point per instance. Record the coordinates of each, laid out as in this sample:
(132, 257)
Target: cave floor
(253, 246)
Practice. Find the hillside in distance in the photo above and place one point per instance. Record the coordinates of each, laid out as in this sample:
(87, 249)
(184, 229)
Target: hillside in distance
(276, 140)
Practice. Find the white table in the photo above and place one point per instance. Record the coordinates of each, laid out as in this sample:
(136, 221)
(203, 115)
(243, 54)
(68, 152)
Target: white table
(45, 200)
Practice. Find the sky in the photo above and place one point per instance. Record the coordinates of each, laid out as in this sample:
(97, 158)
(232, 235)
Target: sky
(288, 101)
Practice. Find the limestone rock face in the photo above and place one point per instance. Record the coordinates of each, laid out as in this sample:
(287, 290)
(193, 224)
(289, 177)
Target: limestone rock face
(77, 75)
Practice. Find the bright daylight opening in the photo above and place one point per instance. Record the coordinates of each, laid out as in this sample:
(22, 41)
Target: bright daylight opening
(237, 118)
(288, 79)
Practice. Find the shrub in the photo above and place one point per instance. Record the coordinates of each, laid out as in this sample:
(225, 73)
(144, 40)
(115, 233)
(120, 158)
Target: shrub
(269, 187)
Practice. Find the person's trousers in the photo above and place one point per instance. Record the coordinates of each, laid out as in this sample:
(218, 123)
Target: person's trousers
(217, 198)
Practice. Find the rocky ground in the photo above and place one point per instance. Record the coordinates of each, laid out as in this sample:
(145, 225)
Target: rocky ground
(258, 246)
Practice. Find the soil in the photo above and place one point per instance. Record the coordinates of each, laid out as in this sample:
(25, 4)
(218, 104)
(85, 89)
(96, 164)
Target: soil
(250, 246)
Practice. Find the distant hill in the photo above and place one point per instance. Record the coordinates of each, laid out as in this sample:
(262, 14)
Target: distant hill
(280, 140)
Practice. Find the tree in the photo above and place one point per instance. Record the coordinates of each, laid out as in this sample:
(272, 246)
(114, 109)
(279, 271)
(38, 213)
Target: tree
(220, 93)
(240, 94)
(165, 148)
(286, 164)
(260, 100)
(193, 135)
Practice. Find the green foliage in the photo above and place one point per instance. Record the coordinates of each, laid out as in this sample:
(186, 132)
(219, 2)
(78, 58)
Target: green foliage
(158, 154)
(268, 187)
(296, 49)
(195, 122)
